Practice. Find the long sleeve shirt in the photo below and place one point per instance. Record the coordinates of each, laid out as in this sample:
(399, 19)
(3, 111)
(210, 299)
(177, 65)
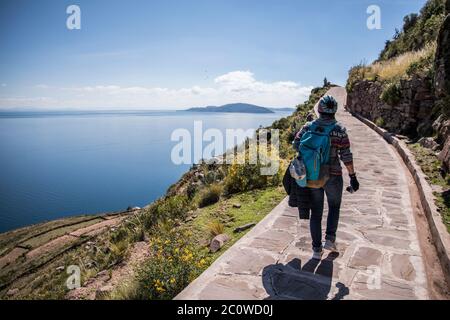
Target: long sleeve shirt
(340, 144)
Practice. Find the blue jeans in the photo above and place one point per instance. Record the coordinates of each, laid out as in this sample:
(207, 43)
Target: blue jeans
(333, 189)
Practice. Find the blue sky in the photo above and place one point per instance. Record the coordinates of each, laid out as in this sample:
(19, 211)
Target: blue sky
(174, 54)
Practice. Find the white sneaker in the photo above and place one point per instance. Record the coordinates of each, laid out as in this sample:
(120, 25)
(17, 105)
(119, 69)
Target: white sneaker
(317, 255)
(330, 246)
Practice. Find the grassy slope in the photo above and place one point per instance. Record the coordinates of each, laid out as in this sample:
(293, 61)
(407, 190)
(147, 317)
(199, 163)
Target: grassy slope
(255, 205)
(430, 165)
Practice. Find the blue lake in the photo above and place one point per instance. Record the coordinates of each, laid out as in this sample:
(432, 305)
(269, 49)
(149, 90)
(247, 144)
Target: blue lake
(61, 164)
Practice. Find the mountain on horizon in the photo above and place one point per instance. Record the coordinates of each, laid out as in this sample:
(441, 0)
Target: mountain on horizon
(233, 108)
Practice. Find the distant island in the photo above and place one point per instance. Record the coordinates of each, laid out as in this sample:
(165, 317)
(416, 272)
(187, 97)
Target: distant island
(233, 108)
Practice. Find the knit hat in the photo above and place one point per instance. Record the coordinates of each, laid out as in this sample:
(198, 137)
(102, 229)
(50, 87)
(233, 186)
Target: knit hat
(328, 105)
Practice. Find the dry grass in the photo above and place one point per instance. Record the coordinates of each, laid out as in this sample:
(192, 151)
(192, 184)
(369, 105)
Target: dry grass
(215, 228)
(397, 67)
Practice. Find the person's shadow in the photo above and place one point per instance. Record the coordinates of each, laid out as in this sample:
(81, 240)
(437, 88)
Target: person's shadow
(312, 281)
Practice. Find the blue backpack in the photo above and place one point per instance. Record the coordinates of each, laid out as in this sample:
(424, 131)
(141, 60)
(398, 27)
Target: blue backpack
(314, 151)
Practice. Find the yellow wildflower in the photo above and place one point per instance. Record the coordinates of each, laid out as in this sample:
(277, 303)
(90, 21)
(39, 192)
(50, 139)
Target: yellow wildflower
(160, 289)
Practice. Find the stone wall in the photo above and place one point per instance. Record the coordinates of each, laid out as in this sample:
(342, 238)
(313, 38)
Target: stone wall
(410, 116)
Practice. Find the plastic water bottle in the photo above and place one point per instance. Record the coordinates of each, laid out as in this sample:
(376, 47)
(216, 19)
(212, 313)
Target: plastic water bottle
(297, 169)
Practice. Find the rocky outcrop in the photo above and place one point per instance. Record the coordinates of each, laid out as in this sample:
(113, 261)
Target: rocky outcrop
(442, 63)
(409, 116)
(442, 89)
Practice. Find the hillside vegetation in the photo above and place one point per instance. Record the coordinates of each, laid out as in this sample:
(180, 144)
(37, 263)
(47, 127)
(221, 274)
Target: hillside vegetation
(411, 53)
(418, 30)
(210, 199)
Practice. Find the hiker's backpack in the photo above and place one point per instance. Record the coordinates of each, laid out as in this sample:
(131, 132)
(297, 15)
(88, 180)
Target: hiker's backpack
(314, 151)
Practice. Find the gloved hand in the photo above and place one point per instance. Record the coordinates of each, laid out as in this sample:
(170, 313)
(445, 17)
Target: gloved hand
(354, 182)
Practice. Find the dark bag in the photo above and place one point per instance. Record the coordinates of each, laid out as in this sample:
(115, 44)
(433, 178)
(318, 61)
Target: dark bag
(298, 197)
(287, 181)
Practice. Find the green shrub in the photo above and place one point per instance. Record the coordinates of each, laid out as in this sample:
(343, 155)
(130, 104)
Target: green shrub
(391, 94)
(424, 66)
(281, 124)
(119, 235)
(379, 122)
(174, 263)
(355, 74)
(210, 195)
(172, 207)
(244, 177)
(175, 207)
(140, 234)
(118, 251)
(191, 190)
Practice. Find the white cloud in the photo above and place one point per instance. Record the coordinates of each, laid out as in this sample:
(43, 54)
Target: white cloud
(236, 86)
(7, 103)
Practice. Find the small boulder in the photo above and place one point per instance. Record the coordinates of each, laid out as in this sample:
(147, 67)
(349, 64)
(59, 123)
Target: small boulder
(12, 292)
(218, 242)
(237, 205)
(244, 227)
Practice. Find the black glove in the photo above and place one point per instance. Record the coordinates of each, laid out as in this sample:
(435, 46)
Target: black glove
(354, 182)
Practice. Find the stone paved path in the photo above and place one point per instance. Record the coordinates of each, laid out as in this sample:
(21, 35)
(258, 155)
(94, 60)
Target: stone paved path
(379, 255)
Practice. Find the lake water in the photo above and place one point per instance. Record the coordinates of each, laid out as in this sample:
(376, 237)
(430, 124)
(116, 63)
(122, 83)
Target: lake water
(61, 164)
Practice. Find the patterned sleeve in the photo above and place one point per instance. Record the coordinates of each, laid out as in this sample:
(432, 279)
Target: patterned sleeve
(345, 153)
(298, 136)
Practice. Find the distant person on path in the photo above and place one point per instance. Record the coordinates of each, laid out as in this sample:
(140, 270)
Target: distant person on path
(333, 135)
